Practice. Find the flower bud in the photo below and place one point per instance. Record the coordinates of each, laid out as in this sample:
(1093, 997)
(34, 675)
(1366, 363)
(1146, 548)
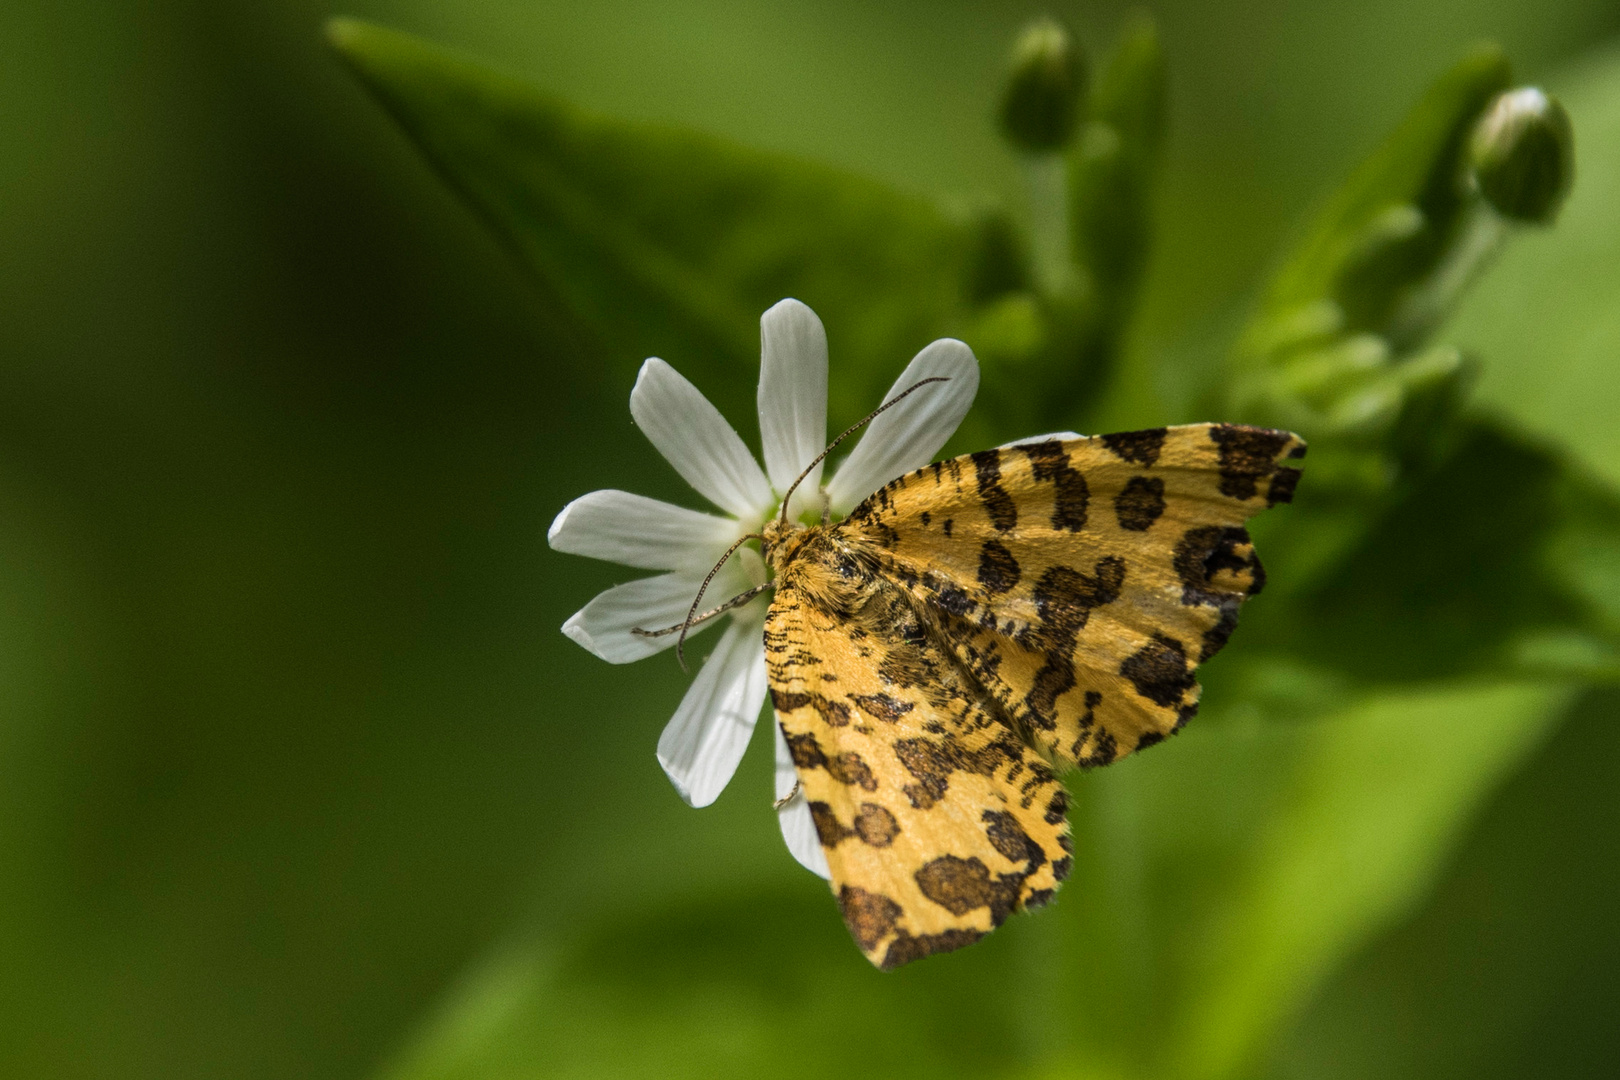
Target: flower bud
(1523, 155)
(1041, 105)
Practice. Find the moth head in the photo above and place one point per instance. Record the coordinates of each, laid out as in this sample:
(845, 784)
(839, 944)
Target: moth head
(782, 541)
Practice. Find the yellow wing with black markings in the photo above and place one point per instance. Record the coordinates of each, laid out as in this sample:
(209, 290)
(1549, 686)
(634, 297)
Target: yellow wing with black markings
(937, 819)
(1081, 581)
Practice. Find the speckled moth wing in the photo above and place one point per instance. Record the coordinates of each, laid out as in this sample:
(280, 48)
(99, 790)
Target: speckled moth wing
(937, 820)
(1082, 581)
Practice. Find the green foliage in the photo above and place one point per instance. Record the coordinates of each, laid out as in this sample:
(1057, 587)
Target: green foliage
(1377, 794)
(1051, 349)
(1511, 967)
(1340, 347)
(1440, 594)
(288, 737)
(1389, 223)
(1553, 304)
(661, 241)
(669, 242)
(1214, 888)
(1112, 174)
(1491, 562)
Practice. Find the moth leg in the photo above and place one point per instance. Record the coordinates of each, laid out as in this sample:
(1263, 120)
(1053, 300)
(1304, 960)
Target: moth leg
(784, 800)
(735, 602)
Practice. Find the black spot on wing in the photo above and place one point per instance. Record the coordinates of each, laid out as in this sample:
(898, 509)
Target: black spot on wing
(1057, 807)
(1140, 503)
(905, 948)
(1049, 463)
(1009, 838)
(806, 752)
(1216, 637)
(927, 762)
(876, 826)
(997, 503)
(998, 570)
(1064, 599)
(848, 768)
(954, 600)
(1159, 671)
(834, 713)
(1204, 552)
(1283, 482)
(784, 701)
(1095, 749)
(1141, 447)
(882, 706)
(1247, 455)
(870, 916)
(957, 885)
(829, 830)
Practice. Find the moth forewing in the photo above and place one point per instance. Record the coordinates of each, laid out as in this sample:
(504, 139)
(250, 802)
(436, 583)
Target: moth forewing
(1066, 590)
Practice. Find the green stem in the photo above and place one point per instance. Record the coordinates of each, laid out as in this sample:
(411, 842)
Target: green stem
(1046, 176)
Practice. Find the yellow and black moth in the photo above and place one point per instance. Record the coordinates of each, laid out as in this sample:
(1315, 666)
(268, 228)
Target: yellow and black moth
(977, 625)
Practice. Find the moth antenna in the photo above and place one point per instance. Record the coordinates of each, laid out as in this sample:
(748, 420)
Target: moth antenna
(735, 602)
(853, 428)
(691, 612)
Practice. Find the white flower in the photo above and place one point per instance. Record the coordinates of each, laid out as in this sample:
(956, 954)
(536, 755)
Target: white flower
(704, 741)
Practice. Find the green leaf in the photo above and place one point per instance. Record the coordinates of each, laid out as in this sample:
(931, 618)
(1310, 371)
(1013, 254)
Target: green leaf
(667, 242)
(1511, 968)
(1503, 559)
(1399, 205)
(760, 982)
(1376, 799)
(1217, 881)
(1546, 320)
(1335, 350)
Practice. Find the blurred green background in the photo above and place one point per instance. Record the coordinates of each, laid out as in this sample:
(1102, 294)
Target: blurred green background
(298, 777)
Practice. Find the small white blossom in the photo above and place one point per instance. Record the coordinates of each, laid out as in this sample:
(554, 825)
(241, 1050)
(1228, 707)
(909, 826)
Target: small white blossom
(704, 741)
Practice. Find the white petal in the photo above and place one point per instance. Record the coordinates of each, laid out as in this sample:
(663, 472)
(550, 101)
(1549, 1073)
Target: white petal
(798, 827)
(1060, 436)
(704, 741)
(637, 531)
(909, 435)
(792, 394)
(695, 438)
(603, 625)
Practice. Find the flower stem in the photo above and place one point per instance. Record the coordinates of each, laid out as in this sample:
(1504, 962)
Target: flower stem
(1046, 177)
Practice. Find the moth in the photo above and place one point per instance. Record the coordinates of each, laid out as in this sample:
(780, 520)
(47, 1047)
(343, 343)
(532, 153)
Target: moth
(974, 627)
